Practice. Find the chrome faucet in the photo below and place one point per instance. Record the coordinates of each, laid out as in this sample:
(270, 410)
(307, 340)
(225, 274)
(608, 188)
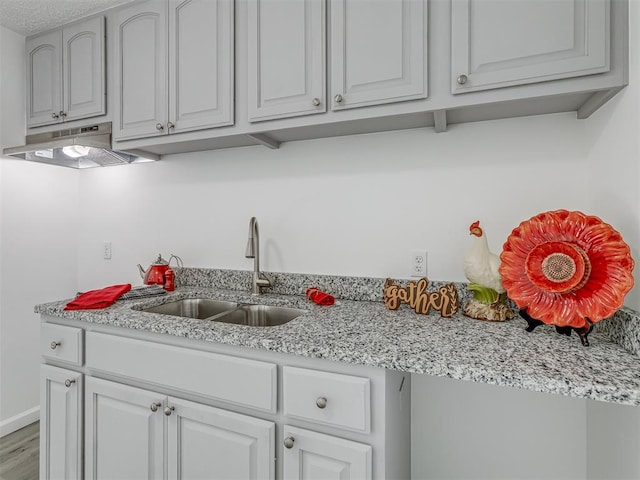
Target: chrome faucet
(259, 280)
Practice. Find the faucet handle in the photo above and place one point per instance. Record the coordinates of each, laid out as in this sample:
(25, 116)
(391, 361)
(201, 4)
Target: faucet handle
(264, 280)
(268, 278)
(261, 280)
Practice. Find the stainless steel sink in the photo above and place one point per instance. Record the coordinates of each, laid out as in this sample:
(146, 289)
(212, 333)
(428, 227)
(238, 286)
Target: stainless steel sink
(228, 312)
(200, 308)
(259, 315)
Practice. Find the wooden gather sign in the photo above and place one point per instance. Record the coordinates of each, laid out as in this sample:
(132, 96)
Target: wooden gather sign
(445, 300)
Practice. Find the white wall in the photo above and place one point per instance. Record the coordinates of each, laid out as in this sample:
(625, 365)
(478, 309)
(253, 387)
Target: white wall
(352, 205)
(613, 442)
(614, 156)
(462, 430)
(38, 249)
(613, 431)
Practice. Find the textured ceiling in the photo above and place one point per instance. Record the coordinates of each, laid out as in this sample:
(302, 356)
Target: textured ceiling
(33, 16)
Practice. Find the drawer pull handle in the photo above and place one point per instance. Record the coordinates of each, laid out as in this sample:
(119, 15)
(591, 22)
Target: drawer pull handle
(338, 98)
(316, 102)
(54, 345)
(288, 442)
(69, 381)
(462, 79)
(169, 410)
(321, 402)
(154, 406)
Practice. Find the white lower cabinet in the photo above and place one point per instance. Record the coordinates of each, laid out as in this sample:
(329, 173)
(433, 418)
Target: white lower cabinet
(207, 442)
(309, 455)
(124, 432)
(60, 423)
(158, 407)
(127, 429)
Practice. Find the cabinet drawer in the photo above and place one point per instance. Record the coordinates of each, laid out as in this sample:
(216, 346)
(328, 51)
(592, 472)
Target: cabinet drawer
(329, 398)
(236, 380)
(59, 342)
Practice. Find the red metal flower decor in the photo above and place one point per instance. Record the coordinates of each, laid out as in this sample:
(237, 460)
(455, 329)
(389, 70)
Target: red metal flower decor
(566, 269)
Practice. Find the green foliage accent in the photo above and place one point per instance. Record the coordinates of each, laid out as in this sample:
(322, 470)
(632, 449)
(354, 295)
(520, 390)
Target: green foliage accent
(483, 294)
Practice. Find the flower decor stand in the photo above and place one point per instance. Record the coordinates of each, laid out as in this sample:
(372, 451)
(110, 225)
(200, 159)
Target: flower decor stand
(566, 269)
(583, 332)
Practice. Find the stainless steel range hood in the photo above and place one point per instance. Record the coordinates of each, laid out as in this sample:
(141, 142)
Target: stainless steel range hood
(77, 147)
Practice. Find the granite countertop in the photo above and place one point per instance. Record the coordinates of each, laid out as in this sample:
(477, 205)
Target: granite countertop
(366, 333)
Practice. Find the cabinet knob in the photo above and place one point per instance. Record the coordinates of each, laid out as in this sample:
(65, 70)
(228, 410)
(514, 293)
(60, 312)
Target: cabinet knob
(338, 98)
(155, 406)
(321, 402)
(63, 114)
(170, 125)
(169, 410)
(159, 126)
(288, 442)
(316, 102)
(55, 345)
(462, 79)
(54, 115)
(69, 381)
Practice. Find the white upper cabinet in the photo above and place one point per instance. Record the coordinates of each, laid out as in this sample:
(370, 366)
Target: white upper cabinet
(66, 74)
(500, 43)
(174, 67)
(287, 58)
(320, 68)
(141, 70)
(378, 55)
(83, 73)
(44, 79)
(378, 52)
(201, 64)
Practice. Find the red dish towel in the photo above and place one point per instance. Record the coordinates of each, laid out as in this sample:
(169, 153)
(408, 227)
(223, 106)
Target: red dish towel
(98, 298)
(321, 298)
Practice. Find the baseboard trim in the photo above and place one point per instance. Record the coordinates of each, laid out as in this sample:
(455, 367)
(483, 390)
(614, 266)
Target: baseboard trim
(16, 422)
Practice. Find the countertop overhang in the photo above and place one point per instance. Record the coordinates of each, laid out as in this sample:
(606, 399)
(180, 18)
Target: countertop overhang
(367, 333)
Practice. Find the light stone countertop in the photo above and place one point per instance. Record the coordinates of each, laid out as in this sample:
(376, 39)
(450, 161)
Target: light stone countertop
(366, 333)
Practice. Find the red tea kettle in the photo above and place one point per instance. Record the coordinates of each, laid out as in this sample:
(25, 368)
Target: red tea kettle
(155, 273)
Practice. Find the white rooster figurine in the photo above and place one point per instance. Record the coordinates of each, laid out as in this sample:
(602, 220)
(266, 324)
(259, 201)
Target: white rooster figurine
(481, 269)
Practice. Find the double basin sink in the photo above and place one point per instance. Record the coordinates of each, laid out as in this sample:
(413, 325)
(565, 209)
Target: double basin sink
(228, 312)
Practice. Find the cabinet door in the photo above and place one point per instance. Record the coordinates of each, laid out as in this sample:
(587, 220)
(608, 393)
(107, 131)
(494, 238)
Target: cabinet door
(498, 43)
(60, 423)
(83, 73)
(378, 51)
(201, 68)
(44, 87)
(123, 432)
(310, 455)
(287, 58)
(206, 442)
(140, 71)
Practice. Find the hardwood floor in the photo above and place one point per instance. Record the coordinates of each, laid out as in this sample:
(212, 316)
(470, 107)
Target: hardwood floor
(19, 454)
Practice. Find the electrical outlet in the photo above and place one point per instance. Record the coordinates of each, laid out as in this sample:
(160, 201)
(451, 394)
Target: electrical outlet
(106, 250)
(418, 263)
